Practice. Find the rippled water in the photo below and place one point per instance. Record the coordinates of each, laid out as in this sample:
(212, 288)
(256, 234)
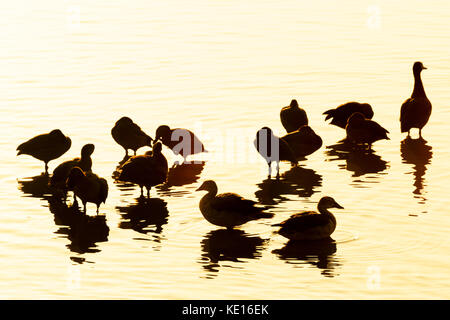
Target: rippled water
(224, 69)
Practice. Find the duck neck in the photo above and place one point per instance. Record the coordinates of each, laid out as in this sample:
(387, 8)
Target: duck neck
(86, 162)
(418, 91)
(327, 213)
(211, 193)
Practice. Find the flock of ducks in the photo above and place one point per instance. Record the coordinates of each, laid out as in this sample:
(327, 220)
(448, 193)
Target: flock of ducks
(227, 210)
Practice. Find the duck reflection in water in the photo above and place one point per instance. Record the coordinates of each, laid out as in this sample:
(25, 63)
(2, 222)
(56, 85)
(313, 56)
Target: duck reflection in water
(181, 175)
(145, 216)
(297, 181)
(418, 153)
(37, 187)
(229, 245)
(82, 230)
(358, 160)
(318, 253)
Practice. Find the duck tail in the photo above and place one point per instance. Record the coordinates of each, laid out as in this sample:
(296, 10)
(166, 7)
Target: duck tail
(329, 113)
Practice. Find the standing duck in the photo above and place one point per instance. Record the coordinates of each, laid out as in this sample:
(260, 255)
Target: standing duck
(180, 141)
(88, 187)
(416, 110)
(273, 149)
(228, 209)
(46, 147)
(361, 130)
(311, 225)
(129, 135)
(303, 141)
(61, 172)
(292, 117)
(341, 114)
(145, 170)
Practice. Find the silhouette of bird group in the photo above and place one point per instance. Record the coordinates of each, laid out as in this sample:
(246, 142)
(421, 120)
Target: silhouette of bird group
(227, 209)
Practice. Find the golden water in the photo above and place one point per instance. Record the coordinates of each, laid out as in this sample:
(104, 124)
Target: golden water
(224, 69)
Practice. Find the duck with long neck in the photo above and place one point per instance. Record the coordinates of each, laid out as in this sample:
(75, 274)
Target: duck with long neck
(415, 111)
(310, 225)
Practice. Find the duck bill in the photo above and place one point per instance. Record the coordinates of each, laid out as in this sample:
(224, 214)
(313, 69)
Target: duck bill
(199, 188)
(337, 205)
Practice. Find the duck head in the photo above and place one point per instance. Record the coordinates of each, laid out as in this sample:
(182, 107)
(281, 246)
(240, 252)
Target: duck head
(124, 121)
(208, 185)
(329, 202)
(87, 150)
(294, 104)
(163, 133)
(75, 175)
(355, 118)
(418, 67)
(157, 148)
(367, 110)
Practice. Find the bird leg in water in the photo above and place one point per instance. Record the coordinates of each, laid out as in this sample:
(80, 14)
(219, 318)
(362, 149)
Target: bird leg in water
(270, 170)
(148, 192)
(278, 170)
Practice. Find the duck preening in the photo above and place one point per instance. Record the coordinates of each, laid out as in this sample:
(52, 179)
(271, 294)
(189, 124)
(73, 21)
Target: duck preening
(293, 117)
(364, 131)
(339, 116)
(61, 172)
(46, 147)
(311, 225)
(228, 209)
(146, 170)
(416, 110)
(180, 141)
(273, 149)
(88, 187)
(303, 141)
(129, 135)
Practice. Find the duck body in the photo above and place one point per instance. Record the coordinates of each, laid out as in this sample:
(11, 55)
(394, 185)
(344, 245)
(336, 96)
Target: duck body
(61, 172)
(303, 141)
(273, 149)
(293, 117)
(180, 141)
(415, 111)
(145, 170)
(364, 131)
(46, 147)
(311, 225)
(340, 115)
(88, 187)
(129, 135)
(228, 209)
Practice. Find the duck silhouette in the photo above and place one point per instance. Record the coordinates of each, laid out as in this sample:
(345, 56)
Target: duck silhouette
(180, 141)
(303, 141)
(129, 135)
(273, 149)
(293, 117)
(46, 147)
(364, 131)
(147, 170)
(228, 209)
(340, 115)
(415, 111)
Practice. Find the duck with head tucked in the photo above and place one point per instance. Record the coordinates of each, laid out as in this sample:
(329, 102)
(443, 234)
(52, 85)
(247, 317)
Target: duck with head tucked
(273, 149)
(146, 170)
(61, 172)
(293, 117)
(364, 131)
(416, 110)
(228, 209)
(46, 147)
(311, 225)
(129, 135)
(88, 187)
(180, 141)
(303, 141)
(339, 116)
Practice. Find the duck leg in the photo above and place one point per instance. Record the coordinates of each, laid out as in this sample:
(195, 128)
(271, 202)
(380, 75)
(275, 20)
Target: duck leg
(148, 192)
(84, 205)
(420, 133)
(46, 167)
(270, 170)
(278, 170)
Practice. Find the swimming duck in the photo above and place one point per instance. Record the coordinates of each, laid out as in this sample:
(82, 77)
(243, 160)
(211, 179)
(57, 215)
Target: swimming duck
(341, 114)
(46, 147)
(228, 209)
(361, 130)
(129, 135)
(87, 186)
(416, 110)
(292, 117)
(146, 170)
(61, 172)
(180, 141)
(266, 141)
(303, 141)
(311, 225)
